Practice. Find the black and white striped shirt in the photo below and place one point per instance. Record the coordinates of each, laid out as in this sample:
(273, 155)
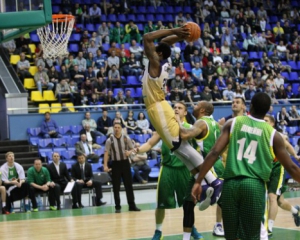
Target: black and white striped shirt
(116, 147)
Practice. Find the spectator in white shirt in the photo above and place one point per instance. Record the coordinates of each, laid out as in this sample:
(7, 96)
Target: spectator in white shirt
(228, 94)
(180, 17)
(137, 50)
(175, 50)
(279, 80)
(95, 13)
(113, 60)
(282, 50)
(103, 32)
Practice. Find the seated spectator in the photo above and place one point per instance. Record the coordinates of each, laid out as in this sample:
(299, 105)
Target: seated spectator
(176, 96)
(282, 119)
(216, 94)
(189, 83)
(64, 74)
(140, 166)
(206, 94)
(113, 48)
(91, 122)
(94, 13)
(104, 122)
(238, 92)
(175, 50)
(94, 102)
(137, 50)
(22, 45)
(132, 33)
(225, 51)
(49, 128)
(53, 76)
(88, 87)
(279, 80)
(23, 68)
(295, 117)
(135, 66)
(143, 124)
(61, 177)
(90, 62)
(113, 60)
(128, 99)
(42, 80)
(10, 46)
(189, 51)
(14, 181)
(228, 93)
(194, 96)
(283, 52)
(294, 51)
(289, 91)
(83, 147)
(114, 77)
(176, 60)
(180, 70)
(197, 75)
(100, 87)
(250, 92)
(90, 74)
(81, 62)
(85, 17)
(130, 124)
(63, 91)
(221, 83)
(90, 136)
(103, 32)
(82, 173)
(77, 76)
(217, 60)
(120, 99)
(281, 93)
(100, 61)
(39, 180)
(177, 83)
(109, 99)
(118, 33)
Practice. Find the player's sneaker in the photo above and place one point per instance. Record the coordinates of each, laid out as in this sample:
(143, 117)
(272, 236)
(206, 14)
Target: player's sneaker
(195, 234)
(218, 230)
(52, 208)
(205, 199)
(157, 235)
(270, 234)
(35, 209)
(27, 208)
(217, 185)
(5, 211)
(297, 216)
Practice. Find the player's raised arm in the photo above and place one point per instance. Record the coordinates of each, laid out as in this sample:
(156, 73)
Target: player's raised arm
(189, 133)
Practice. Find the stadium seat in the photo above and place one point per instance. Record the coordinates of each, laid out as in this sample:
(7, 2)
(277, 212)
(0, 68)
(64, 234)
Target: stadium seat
(294, 76)
(33, 70)
(295, 88)
(55, 107)
(291, 130)
(151, 9)
(49, 95)
(69, 154)
(45, 143)
(138, 92)
(253, 56)
(75, 37)
(178, 9)
(44, 107)
(36, 96)
(100, 140)
(29, 83)
(75, 129)
(58, 142)
(34, 38)
(140, 138)
(100, 151)
(90, 27)
(160, 17)
(187, 9)
(169, 18)
(150, 17)
(116, 90)
(140, 27)
(141, 9)
(14, 59)
(154, 165)
(34, 132)
(55, 9)
(122, 18)
(273, 19)
(131, 80)
(131, 17)
(140, 18)
(187, 66)
(285, 75)
(160, 9)
(169, 9)
(103, 18)
(73, 47)
(112, 18)
(64, 130)
(70, 106)
(96, 167)
(293, 65)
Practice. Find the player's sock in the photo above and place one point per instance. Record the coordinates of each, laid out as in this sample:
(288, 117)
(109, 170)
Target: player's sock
(196, 176)
(270, 225)
(203, 182)
(294, 210)
(186, 236)
(210, 177)
(3, 204)
(159, 227)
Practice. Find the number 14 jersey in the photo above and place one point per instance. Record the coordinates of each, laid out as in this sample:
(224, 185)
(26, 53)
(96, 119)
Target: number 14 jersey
(250, 152)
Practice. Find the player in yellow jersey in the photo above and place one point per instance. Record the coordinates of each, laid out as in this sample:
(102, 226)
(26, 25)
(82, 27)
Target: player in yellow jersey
(160, 113)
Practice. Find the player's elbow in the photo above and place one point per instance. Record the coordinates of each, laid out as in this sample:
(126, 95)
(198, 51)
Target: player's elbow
(147, 37)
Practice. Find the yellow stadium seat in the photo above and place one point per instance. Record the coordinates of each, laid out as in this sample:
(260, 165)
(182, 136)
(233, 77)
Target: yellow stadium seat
(36, 96)
(55, 107)
(33, 70)
(49, 95)
(32, 48)
(70, 106)
(29, 83)
(14, 59)
(44, 107)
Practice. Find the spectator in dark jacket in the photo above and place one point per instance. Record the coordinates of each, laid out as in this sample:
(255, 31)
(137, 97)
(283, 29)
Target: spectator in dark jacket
(104, 122)
(49, 128)
(249, 93)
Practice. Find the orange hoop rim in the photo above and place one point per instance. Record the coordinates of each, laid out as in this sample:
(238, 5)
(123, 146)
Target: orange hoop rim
(62, 18)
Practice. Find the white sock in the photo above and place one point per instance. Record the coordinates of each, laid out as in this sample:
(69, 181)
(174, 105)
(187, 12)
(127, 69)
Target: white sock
(270, 225)
(3, 204)
(26, 201)
(294, 210)
(196, 176)
(159, 227)
(186, 236)
(210, 177)
(203, 183)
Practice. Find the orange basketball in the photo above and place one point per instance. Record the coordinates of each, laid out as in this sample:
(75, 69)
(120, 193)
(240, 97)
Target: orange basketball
(194, 31)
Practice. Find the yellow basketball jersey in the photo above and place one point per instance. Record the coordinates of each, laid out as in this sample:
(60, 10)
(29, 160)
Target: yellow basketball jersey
(153, 88)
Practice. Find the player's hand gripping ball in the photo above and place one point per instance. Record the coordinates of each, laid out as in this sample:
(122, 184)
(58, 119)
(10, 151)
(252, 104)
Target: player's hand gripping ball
(194, 31)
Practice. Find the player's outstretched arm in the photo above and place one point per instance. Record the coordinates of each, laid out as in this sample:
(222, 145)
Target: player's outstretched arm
(290, 149)
(149, 144)
(189, 133)
(282, 155)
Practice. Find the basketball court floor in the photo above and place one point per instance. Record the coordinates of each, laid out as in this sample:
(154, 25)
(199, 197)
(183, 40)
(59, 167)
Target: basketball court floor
(103, 223)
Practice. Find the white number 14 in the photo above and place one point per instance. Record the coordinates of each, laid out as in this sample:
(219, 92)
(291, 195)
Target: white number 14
(249, 153)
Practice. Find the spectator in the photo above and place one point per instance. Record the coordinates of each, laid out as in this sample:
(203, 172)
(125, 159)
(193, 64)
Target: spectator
(100, 88)
(295, 117)
(216, 94)
(64, 73)
(90, 74)
(135, 66)
(113, 47)
(197, 75)
(117, 148)
(221, 83)
(113, 60)
(149, 27)
(193, 96)
(85, 17)
(49, 128)
(283, 52)
(294, 51)
(53, 76)
(92, 49)
(14, 180)
(100, 61)
(124, 67)
(39, 180)
(63, 91)
(130, 124)
(97, 43)
(289, 92)
(77, 76)
(132, 32)
(137, 50)
(281, 93)
(104, 122)
(94, 102)
(228, 94)
(180, 70)
(217, 60)
(64, 108)
(189, 83)
(92, 124)
(83, 147)
(60, 176)
(81, 62)
(206, 94)
(88, 87)
(118, 33)
(238, 92)
(109, 99)
(23, 68)
(282, 119)
(114, 77)
(10, 46)
(82, 174)
(189, 51)
(22, 45)
(176, 60)
(250, 92)
(42, 80)
(103, 32)
(278, 31)
(90, 136)
(94, 13)
(175, 50)
(176, 96)
(209, 71)
(120, 99)
(177, 83)
(143, 124)
(128, 99)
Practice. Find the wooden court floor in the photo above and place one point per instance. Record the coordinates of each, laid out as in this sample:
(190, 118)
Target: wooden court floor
(103, 223)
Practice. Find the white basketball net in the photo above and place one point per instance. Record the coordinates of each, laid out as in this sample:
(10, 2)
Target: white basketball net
(55, 37)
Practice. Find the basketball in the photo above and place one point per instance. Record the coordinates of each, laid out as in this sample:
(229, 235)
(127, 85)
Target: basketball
(194, 31)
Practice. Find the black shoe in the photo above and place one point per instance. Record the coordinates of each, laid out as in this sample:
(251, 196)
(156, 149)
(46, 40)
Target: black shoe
(101, 203)
(58, 208)
(134, 209)
(81, 206)
(118, 211)
(75, 206)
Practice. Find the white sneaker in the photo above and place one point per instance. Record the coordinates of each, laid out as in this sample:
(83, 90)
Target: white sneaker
(206, 202)
(218, 230)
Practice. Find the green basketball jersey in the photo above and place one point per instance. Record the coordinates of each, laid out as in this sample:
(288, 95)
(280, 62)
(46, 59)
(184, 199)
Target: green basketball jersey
(12, 173)
(213, 132)
(168, 158)
(250, 151)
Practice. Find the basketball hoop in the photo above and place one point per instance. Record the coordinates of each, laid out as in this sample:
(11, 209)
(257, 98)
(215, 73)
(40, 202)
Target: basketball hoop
(55, 37)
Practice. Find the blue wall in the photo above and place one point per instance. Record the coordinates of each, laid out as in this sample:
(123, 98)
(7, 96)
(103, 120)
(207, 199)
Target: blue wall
(18, 123)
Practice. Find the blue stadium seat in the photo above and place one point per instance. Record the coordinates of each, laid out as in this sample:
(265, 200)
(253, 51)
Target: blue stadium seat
(73, 47)
(178, 9)
(55, 9)
(90, 27)
(45, 143)
(100, 140)
(75, 37)
(100, 151)
(187, 9)
(150, 17)
(151, 9)
(187, 66)
(131, 17)
(64, 130)
(97, 167)
(160, 17)
(105, 47)
(44, 152)
(146, 137)
(34, 38)
(140, 27)
(273, 19)
(294, 76)
(285, 75)
(169, 18)
(140, 18)
(295, 88)
(294, 140)
(293, 65)
(69, 154)
(34, 141)
(291, 130)
(122, 18)
(116, 90)
(112, 18)
(169, 9)
(131, 80)
(253, 56)
(140, 138)
(154, 165)
(138, 92)
(103, 18)
(160, 9)
(131, 136)
(34, 132)
(141, 9)
(58, 142)
(75, 129)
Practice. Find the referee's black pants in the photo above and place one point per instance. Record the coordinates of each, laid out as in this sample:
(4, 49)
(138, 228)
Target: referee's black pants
(121, 170)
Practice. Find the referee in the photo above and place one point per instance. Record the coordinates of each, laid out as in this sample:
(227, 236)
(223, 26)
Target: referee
(117, 149)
